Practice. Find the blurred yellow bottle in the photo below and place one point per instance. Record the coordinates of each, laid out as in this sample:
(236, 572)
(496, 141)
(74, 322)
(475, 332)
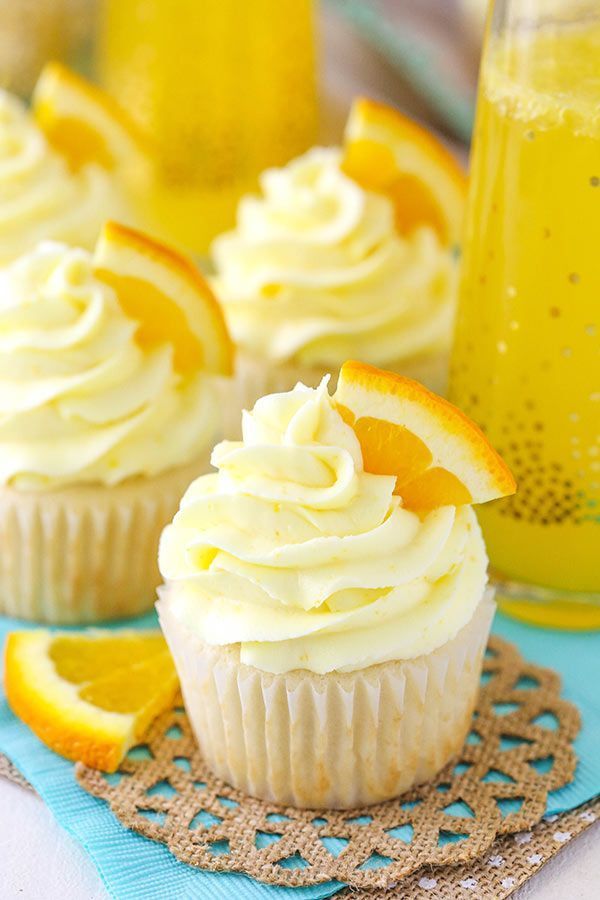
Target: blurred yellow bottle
(526, 363)
(226, 88)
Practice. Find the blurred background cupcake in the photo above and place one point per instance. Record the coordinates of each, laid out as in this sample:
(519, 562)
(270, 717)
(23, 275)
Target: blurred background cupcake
(347, 252)
(67, 164)
(109, 403)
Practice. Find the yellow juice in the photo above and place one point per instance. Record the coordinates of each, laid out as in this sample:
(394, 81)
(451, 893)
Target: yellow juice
(526, 363)
(225, 88)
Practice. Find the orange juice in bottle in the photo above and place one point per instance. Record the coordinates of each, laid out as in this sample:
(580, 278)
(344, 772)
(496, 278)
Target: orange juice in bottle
(526, 362)
(225, 88)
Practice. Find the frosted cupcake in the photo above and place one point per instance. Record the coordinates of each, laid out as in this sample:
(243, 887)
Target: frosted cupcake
(325, 597)
(66, 165)
(346, 253)
(110, 372)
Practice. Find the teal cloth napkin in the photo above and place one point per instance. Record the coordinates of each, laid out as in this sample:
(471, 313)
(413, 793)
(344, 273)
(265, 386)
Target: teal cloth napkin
(134, 868)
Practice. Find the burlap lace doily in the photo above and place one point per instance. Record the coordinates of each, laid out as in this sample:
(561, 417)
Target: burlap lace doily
(513, 860)
(519, 749)
(7, 770)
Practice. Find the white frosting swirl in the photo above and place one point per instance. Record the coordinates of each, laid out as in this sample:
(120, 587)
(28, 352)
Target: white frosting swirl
(307, 561)
(80, 400)
(40, 197)
(316, 272)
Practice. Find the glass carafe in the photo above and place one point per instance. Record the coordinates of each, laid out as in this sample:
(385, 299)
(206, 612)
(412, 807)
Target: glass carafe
(225, 88)
(526, 361)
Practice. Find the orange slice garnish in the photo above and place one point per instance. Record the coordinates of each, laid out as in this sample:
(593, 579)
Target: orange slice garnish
(84, 124)
(89, 697)
(167, 295)
(438, 455)
(386, 152)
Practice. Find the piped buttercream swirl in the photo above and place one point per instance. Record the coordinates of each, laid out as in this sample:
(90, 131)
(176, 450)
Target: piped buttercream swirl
(315, 272)
(307, 561)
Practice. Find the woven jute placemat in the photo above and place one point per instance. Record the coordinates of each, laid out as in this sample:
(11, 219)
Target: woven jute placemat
(519, 749)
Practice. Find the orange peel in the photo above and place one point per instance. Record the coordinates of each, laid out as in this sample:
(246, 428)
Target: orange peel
(165, 292)
(386, 152)
(438, 455)
(85, 125)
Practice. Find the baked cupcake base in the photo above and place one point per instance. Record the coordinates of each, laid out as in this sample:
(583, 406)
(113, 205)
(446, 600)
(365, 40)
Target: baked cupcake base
(254, 378)
(340, 740)
(86, 553)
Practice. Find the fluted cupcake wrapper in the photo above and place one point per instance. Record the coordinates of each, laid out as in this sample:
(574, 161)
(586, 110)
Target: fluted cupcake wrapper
(339, 740)
(86, 553)
(254, 378)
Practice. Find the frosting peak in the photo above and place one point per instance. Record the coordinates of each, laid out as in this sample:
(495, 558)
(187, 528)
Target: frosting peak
(315, 272)
(308, 561)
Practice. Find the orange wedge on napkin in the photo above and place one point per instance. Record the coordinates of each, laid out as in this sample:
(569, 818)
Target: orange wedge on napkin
(386, 152)
(438, 455)
(89, 697)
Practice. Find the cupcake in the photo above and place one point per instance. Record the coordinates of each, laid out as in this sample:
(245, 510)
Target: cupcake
(346, 253)
(66, 165)
(325, 594)
(111, 370)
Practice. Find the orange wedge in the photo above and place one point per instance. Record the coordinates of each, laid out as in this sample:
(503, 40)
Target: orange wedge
(438, 455)
(85, 124)
(89, 697)
(167, 295)
(387, 152)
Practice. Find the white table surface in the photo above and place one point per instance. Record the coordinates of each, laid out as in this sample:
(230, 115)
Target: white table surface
(39, 861)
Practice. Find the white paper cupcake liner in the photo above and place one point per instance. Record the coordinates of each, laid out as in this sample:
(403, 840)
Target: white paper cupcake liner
(86, 553)
(339, 740)
(254, 378)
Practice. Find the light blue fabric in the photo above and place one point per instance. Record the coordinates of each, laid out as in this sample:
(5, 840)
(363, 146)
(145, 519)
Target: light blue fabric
(134, 868)
(576, 657)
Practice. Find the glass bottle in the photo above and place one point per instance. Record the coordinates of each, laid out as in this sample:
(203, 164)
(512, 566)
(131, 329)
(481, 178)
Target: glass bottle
(225, 88)
(526, 360)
